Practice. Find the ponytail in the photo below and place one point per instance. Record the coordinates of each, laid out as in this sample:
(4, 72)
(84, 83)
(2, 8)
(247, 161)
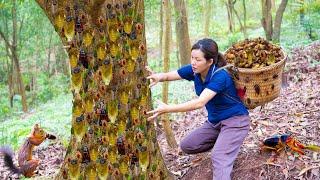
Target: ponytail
(220, 60)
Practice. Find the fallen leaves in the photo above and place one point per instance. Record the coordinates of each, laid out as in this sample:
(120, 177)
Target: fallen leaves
(307, 168)
(297, 111)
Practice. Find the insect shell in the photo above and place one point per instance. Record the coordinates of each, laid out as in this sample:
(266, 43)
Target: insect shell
(275, 140)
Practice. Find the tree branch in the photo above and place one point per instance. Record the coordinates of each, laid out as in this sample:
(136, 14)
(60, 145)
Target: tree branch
(20, 29)
(5, 40)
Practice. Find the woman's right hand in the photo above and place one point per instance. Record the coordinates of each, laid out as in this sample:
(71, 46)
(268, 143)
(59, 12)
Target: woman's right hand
(154, 77)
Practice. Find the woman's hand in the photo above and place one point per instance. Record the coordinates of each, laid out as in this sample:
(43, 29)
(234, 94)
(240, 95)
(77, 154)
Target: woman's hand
(154, 77)
(161, 109)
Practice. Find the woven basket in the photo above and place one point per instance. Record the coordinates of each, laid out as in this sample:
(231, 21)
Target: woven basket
(256, 87)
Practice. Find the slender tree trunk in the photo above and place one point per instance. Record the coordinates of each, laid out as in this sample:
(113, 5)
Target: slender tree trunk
(161, 30)
(244, 18)
(110, 135)
(266, 20)
(207, 9)
(49, 56)
(240, 23)
(16, 58)
(166, 62)
(10, 75)
(10, 86)
(278, 20)
(182, 31)
(9, 65)
(229, 5)
(273, 4)
(177, 49)
(301, 12)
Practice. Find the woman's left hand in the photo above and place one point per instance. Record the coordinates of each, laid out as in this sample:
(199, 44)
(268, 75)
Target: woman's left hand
(161, 109)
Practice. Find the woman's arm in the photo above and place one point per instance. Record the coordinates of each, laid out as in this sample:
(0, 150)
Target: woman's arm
(161, 77)
(170, 76)
(198, 103)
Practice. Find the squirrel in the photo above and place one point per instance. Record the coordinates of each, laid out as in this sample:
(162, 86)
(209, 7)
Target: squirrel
(27, 165)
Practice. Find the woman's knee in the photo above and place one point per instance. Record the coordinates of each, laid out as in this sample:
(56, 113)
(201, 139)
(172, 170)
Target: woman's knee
(186, 147)
(190, 147)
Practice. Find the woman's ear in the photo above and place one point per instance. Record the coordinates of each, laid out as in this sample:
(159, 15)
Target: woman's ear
(211, 61)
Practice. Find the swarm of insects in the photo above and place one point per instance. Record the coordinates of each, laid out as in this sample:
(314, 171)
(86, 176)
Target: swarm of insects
(255, 53)
(110, 135)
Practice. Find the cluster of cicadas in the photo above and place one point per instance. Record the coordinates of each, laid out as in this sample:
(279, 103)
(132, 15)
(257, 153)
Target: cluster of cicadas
(106, 46)
(254, 53)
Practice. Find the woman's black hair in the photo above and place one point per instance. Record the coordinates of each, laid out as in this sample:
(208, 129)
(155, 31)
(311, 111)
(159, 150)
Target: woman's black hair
(210, 50)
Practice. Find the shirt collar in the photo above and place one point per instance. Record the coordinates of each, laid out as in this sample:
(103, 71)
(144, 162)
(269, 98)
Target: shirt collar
(208, 77)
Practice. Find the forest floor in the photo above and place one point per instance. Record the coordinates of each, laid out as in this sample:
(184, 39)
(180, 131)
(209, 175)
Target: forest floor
(296, 111)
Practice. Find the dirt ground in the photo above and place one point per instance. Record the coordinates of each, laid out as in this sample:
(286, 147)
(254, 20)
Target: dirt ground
(296, 111)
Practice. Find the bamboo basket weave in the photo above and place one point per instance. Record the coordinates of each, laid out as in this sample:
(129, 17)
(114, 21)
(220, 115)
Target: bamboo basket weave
(259, 86)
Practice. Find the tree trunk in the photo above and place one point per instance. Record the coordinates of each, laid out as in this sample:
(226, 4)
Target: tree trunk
(207, 9)
(244, 18)
(301, 12)
(166, 62)
(229, 5)
(266, 20)
(177, 50)
(110, 134)
(49, 56)
(240, 23)
(278, 20)
(161, 30)
(10, 75)
(182, 31)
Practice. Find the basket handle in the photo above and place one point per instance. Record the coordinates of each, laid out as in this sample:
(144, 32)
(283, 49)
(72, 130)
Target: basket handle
(233, 70)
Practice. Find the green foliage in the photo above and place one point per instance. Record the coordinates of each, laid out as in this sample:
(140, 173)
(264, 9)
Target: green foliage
(51, 87)
(54, 116)
(48, 89)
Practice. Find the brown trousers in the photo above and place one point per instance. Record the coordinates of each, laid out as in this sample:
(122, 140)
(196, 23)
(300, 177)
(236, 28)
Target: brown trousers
(224, 138)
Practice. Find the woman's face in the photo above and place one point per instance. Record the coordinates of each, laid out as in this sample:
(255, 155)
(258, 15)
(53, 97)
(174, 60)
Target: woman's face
(198, 62)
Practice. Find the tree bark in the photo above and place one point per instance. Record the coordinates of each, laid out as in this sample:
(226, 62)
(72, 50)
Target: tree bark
(266, 20)
(166, 62)
(301, 12)
(207, 8)
(110, 134)
(278, 20)
(49, 56)
(161, 30)
(9, 69)
(182, 31)
(244, 18)
(240, 23)
(229, 5)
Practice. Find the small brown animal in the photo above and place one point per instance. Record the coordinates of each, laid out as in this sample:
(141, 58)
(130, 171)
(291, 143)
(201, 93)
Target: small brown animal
(27, 165)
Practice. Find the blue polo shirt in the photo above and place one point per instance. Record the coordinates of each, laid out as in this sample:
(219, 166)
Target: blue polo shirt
(220, 107)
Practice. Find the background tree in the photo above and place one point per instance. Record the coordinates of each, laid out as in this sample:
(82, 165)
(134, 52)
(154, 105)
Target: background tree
(166, 62)
(244, 18)
(182, 31)
(207, 14)
(161, 30)
(230, 6)
(272, 31)
(15, 82)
